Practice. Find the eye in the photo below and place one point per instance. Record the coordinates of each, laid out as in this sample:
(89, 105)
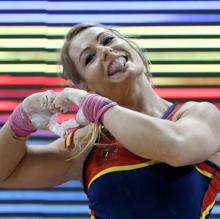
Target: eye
(107, 40)
(89, 58)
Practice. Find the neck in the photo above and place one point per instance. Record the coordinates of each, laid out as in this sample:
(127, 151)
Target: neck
(142, 98)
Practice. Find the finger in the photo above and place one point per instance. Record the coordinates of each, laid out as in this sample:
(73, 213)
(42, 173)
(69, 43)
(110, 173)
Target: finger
(61, 103)
(81, 119)
(50, 94)
(58, 129)
(71, 123)
(76, 95)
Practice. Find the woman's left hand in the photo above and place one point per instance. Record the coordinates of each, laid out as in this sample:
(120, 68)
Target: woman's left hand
(63, 102)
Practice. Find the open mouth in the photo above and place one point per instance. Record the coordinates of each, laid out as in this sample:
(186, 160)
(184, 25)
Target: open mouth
(117, 65)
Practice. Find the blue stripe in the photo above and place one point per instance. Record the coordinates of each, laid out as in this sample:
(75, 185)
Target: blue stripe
(107, 11)
(168, 111)
(42, 195)
(108, 5)
(42, 208)
(109, 18)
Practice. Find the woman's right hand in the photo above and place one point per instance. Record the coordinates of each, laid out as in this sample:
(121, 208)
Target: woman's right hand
(36, 107)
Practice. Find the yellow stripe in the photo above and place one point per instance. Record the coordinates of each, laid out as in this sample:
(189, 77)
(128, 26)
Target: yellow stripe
(203, 172)
(186, 81)
(181, 56)
(31, 43)
(177, 43)
(69, 139)
(184, 68)
(126, 30)
(206, 212)
(169, 30)
(151, 55)
(155, 68)
(30, 56)
(29, 68)
(122, 168)
(143, 43)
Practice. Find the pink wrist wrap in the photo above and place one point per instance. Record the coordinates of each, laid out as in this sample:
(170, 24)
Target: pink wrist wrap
(20, 123)
(94, 107)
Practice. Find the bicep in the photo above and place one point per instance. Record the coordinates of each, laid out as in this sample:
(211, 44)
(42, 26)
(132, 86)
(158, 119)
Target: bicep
(199, 129)
(40, 167)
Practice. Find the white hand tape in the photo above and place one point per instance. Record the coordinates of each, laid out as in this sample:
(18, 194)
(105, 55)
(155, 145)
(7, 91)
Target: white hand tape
(71, 123)
(58, 129)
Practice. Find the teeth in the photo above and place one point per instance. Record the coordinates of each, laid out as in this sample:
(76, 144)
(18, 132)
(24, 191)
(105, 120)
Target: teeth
(117, 65)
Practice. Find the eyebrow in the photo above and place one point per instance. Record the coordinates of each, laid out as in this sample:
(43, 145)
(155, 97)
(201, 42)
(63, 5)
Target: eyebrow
(97, 39)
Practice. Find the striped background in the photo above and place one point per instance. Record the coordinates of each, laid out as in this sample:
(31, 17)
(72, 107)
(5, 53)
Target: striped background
(180, 38)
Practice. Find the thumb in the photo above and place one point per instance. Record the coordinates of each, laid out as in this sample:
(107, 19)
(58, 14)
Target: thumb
(71, 123)
(81, 119)
(56, 127)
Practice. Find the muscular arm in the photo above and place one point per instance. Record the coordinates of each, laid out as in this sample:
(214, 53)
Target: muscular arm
(11, 151)
(34, 166)
(192, 138)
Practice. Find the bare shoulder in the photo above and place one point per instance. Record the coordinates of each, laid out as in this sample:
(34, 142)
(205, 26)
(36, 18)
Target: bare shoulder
(206, 113)
(203, 110)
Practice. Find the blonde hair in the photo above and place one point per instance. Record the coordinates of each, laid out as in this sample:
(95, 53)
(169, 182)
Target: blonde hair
(89, 140)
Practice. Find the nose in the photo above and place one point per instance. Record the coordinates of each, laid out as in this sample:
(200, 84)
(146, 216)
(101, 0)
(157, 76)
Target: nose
(104, 52)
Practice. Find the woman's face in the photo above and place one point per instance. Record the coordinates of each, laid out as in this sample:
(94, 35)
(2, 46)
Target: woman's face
(107, 64)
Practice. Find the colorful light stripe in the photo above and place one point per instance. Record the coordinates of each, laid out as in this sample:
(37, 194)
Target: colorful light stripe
(189, 93)
(126, 30)
(175, 68)
(48, 81)
(183, 56)
(43, 56)
(32, 56)
(177, 43)
(143, 43)
(155, 68)
(30, 80)
(60, 19)
(8, 105)
(22, 93)
(185, 81)
(46, 68)
(110, 5)
(170, 93)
